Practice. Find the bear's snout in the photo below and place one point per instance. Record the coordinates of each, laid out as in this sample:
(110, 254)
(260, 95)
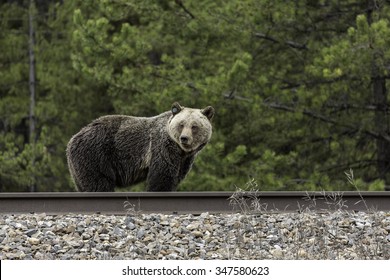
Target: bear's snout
(184, 139)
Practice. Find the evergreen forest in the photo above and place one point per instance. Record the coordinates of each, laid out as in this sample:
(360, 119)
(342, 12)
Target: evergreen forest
(299, 87)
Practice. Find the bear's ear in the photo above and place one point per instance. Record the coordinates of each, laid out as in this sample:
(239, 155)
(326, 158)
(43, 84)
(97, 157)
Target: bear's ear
(176, 108)
(208, 112)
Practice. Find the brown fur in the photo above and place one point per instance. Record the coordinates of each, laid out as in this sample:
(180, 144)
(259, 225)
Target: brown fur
(119, 150)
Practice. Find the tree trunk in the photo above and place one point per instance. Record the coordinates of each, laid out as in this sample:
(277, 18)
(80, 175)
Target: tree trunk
(31, 45)
(380, 100)
(381, 124)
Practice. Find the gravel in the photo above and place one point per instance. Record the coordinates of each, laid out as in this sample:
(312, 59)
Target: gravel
(308, 235)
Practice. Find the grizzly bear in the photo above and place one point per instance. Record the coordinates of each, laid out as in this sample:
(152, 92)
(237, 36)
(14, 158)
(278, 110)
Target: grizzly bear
(120, 151)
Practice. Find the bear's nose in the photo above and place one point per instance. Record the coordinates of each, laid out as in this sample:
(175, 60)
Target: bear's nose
(184, 139)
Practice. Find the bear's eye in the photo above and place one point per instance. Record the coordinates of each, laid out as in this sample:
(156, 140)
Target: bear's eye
(181, 126)
(194, 128)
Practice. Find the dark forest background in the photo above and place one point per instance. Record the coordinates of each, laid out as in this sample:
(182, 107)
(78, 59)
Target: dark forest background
(299, 87)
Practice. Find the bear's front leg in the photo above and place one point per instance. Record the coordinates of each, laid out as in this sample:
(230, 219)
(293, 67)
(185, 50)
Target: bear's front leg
(185, 167)
(162, 179)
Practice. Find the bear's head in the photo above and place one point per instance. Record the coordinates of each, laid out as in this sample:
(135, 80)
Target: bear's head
(190, 128)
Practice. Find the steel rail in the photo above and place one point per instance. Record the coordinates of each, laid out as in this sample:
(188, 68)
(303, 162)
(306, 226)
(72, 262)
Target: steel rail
(190, 202)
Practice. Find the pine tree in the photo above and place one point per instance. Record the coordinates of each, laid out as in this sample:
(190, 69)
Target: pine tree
(64, 100)
(299, 87)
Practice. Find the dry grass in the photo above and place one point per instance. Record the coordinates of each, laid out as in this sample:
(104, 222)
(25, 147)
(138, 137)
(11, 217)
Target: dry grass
(333, 234)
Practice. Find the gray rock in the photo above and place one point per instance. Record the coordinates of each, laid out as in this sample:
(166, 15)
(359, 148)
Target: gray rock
(140, 233)
(130, 226)
(31, 232)
(334, 235)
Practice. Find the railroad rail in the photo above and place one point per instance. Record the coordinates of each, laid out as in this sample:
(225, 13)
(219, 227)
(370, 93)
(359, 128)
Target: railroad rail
(190, 202)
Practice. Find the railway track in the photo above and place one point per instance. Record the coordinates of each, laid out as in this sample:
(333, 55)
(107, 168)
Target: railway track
(190, 202)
